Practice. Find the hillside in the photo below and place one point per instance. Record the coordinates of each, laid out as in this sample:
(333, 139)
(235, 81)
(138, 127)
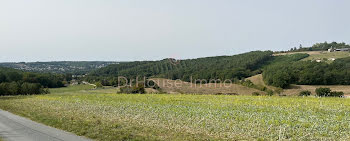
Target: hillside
(308, 73)
(277, 70)
(219, 67)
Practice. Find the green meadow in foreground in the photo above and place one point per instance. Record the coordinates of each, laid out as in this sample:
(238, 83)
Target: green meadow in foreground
(103, 115)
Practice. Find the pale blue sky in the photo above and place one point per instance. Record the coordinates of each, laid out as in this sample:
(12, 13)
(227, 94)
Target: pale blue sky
(125, 30)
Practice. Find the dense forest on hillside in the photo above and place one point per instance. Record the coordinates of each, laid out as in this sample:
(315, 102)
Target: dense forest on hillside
(308, 73)
(13, 82)
(219, 67)
(73, 67)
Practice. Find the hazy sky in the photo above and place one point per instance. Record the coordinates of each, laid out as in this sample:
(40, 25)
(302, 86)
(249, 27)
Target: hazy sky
(125, 30)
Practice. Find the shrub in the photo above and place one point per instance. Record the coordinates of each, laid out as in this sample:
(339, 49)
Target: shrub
(323, 92)
(139, 89)
(326, 92)
(255, 94)
(247, 83)
(305, 93)
(99, 85)
(269, 92)
(136, 89)
(337, 94)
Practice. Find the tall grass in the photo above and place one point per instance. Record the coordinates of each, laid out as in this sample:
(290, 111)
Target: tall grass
(187, 117)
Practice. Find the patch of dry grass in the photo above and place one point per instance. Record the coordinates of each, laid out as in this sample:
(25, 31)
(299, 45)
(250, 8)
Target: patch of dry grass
(307, 52)
(328, 56)
(181, 87)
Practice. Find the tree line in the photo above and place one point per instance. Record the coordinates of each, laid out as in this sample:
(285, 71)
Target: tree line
(320, 47)
(14, 82)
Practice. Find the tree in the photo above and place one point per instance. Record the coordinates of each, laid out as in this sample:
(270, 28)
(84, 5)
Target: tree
(337, 94)
(68, 77)
(15, 82)
(2, 78)
(323, 92)
(31, 88)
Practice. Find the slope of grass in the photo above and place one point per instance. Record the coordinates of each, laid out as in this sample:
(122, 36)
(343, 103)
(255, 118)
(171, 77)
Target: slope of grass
(178, 86)
(186, 117)
(71, 89)
(320, 55)
(327, 56)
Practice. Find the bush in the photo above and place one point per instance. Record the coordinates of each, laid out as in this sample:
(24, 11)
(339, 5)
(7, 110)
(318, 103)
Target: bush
(305, 93)
(136, 89)
(247, 83)
(99, 85)
(326, 92)
(323, 92)
(255, 94)
(269, 92)
(337, 94)
(139, 89)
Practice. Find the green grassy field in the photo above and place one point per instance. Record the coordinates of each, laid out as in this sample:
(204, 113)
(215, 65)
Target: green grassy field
(326, 56)
(103, 115)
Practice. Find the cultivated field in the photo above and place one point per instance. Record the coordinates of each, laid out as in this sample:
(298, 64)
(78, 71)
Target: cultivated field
(104, 115)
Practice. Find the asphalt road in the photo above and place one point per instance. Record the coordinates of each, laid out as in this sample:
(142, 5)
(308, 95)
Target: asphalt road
(16, 128)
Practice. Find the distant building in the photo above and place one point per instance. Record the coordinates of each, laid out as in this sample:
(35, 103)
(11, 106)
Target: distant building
(343, 49)
(331, 49)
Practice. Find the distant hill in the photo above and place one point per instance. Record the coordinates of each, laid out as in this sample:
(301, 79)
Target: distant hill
(277, 70)
(74, 67)
(219, 67)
